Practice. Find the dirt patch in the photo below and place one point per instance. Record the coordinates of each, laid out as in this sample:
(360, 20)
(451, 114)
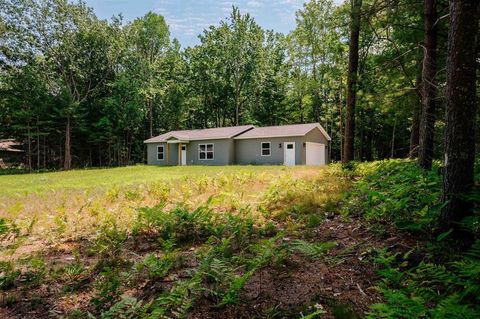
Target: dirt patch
(342, 282)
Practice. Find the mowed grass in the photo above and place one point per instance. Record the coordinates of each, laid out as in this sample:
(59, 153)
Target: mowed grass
(84, 179)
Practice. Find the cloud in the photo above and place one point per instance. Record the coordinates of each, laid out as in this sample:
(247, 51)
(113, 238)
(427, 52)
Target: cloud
(188, 18)
(254, 4)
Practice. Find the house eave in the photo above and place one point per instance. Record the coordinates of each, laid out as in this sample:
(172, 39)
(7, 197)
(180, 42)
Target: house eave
(265, 136)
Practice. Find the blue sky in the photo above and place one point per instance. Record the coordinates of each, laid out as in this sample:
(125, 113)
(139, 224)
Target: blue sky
(188, 18)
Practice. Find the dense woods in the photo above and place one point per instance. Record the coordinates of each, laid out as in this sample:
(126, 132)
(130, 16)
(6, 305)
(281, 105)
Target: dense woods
(80, 91)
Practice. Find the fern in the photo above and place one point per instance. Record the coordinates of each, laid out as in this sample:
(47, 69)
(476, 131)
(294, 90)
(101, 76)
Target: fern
(311, 250)
(449, 290)
(128, 308)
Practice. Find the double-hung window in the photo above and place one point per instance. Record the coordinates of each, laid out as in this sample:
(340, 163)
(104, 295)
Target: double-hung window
(266, 148)
(160, 152)
(205, 151)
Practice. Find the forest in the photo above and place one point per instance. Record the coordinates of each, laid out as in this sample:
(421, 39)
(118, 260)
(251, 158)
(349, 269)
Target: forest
(78, 91)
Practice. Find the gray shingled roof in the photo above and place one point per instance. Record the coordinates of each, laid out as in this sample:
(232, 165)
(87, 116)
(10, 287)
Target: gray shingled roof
(201, 134)
(283, 130)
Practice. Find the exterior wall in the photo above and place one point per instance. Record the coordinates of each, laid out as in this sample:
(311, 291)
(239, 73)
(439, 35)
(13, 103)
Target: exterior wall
(223, 152)
(152, 154)
(248, 151)
(172, 154)
(315, 136)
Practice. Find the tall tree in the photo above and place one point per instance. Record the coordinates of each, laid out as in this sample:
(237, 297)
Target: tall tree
(427, 120)
(149, 37)
(71, 42)
(348, 153)
(460, 113)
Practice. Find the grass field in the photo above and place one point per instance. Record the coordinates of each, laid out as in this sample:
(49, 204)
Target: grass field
(180, 242)
(20, 185)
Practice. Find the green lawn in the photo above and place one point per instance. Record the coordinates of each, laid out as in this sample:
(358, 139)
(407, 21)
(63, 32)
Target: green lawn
(24, 184)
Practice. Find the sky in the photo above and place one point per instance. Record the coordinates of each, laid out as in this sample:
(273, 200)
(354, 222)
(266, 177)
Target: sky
(188, 18)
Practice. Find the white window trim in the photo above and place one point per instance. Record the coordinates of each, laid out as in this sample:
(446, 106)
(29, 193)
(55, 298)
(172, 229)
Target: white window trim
(206, 146)
(269, 148)
(162, 152)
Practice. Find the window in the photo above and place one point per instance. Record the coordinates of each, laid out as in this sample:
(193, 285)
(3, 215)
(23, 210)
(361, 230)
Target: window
(205, 151)
(160, 152)
(290, 146)
(266, 148)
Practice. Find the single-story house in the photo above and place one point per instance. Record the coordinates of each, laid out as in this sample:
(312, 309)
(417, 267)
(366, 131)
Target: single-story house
(299, 144)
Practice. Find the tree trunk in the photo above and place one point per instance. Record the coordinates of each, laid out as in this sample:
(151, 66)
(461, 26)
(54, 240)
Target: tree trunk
(415, 133)
(44, 152)
(460, 115)
(29, 156)
(427, 121)
(392, 143)
(340, 124)
(38, 146)
(150, 117)
(67, 163)
(348, 153)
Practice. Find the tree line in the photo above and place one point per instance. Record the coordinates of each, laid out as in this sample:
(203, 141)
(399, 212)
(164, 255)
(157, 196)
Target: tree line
(81, 91)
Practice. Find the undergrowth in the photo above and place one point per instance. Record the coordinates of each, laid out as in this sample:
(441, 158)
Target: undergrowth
(199, 239)
(432, 279)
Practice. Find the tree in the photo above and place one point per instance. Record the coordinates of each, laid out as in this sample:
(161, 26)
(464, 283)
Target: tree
(150, 39)
(427, 122)
(348, 153)
(313, 31)
(460, 114)
(72, 43)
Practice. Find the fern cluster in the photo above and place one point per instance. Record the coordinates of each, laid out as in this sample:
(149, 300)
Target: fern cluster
(429, 290)
(397, 191)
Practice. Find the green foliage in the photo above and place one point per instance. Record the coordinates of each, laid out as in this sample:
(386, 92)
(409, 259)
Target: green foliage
(398, 191)
(445, 283)
(107, 288)
(127, 308)
(7, 227)
(158, 267)
(178, 224)
(311, 250)
(429, 290)
(109, 242)
(8, 275)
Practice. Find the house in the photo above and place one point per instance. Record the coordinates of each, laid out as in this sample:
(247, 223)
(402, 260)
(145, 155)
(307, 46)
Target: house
(10, 154)
(299, 144)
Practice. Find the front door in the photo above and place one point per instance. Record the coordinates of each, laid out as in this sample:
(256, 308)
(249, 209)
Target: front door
(183, 155)
(289, 154)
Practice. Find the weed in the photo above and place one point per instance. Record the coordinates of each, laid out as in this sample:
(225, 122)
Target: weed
(8, 275)
(127, 308)
(107, 287)
(311, 250)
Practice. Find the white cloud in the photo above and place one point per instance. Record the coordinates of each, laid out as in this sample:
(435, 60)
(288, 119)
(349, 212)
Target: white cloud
(255, 4)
